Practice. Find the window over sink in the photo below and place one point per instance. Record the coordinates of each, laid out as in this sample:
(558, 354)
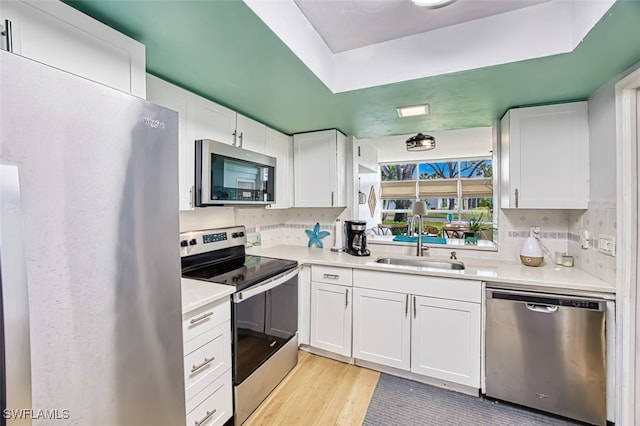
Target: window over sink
(458, 193)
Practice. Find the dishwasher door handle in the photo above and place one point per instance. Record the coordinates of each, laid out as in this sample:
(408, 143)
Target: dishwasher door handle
(544, 309)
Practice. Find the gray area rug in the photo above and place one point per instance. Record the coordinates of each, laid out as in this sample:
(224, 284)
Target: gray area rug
(398, 401)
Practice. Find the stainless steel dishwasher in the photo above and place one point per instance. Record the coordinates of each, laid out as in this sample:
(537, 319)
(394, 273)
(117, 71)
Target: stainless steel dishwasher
(547, 352)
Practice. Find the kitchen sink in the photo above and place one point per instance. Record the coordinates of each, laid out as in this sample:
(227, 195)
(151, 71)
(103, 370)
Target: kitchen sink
(420, 262)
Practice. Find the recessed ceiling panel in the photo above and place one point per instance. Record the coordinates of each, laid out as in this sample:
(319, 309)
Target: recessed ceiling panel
(350, 24)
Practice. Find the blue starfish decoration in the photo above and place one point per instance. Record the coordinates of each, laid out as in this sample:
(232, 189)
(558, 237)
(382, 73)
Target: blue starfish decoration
(316, 236)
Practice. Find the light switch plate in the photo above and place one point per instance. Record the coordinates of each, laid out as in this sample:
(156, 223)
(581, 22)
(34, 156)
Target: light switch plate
(607, 244)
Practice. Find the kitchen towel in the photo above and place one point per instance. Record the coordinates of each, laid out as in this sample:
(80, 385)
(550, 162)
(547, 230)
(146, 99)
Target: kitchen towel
(425, 239)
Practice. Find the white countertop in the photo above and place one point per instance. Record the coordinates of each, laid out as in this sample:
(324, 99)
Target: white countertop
(549, 278)
(197, 293)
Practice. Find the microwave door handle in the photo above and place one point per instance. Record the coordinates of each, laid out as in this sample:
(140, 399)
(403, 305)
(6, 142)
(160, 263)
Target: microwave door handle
(265, 286)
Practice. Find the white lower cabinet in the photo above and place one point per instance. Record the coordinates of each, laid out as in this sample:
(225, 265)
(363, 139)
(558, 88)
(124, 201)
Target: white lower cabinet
(410, 330)
(382, 327)
(207, 364)
(331, 317)
(445, 340)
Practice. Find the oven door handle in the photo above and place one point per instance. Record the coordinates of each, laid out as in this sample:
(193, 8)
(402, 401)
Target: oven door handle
(265, 286)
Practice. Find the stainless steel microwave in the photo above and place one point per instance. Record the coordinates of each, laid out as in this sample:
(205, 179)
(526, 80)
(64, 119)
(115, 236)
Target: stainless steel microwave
(228, 175)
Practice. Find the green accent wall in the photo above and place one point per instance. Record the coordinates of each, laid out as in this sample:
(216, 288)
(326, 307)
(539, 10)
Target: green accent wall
(222, 51)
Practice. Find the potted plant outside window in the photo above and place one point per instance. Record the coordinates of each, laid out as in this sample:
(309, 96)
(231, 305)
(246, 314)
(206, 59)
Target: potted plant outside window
(479, 228)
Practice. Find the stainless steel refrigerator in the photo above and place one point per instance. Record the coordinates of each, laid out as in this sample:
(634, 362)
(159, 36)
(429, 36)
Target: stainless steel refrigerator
(98, 203)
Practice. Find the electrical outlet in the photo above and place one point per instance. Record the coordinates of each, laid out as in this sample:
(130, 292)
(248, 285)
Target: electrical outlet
(534, 231)
(584, 239)
(607, 244)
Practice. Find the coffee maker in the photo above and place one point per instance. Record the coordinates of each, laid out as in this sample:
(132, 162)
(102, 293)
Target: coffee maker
(356, 239)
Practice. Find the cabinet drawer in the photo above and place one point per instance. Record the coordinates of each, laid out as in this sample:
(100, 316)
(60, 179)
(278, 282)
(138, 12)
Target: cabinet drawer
(331, 275)
(212, 406)
(208, 361)
(204, 319)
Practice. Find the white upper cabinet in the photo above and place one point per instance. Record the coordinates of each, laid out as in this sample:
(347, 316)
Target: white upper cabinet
(250, 134)
(366, 156)
(200, 118)
(320, 169)
(279, 145)
(58, 35)
(208, 120)
(544, 156)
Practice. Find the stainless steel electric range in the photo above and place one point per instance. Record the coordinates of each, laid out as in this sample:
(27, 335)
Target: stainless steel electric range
(264, 309)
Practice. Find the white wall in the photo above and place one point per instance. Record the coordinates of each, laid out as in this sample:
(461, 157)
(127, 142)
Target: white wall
(600, 217)
(602, 144)
(462, 143)
(369, 181)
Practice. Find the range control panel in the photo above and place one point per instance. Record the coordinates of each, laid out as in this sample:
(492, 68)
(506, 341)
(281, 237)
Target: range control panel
(196, 242)
(214, 238)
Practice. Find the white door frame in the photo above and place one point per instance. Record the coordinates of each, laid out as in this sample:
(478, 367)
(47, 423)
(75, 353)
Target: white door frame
(628, 183)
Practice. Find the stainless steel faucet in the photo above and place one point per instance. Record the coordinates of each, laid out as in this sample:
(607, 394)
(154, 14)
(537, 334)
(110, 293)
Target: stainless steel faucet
(419, 247)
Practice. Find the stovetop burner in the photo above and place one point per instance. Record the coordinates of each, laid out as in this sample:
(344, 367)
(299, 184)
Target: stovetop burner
(241, 272)
(218, 256)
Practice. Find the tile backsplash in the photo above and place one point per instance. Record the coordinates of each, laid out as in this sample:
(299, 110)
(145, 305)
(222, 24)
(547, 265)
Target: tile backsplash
(599, 219)
(559, 230)
(275, 226)
(513, 229)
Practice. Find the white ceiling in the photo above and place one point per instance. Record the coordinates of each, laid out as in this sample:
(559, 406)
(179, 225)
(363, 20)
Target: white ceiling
(351, 24)
(481, 33)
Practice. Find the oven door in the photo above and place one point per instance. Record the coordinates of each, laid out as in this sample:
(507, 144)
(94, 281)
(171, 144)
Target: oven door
(265, 317)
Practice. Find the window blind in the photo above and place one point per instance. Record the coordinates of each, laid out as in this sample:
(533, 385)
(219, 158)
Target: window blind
(398, 190)
(476, 187)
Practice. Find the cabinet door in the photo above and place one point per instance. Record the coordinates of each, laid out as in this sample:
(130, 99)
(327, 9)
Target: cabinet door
(170, 96)
(58, 35)
(250, 134)
(546, 157)
(445, 340)
(331, 318)
(366, 156)
(278, 145)
(382, 327)
(208, 120)
(319, 166)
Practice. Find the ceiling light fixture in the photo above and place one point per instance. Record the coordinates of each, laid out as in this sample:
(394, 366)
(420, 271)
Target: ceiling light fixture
(432, 4)
(421, 142)
(413, 110)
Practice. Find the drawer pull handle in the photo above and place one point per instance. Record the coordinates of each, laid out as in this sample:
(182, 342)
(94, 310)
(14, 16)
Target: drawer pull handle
(201, 317)
(332, 276)
(206, 361)
(205, 418)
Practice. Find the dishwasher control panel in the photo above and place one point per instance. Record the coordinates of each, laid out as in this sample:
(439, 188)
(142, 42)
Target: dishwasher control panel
(535, 299)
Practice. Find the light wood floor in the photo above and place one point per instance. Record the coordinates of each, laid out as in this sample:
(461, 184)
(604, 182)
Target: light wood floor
(318, 391)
